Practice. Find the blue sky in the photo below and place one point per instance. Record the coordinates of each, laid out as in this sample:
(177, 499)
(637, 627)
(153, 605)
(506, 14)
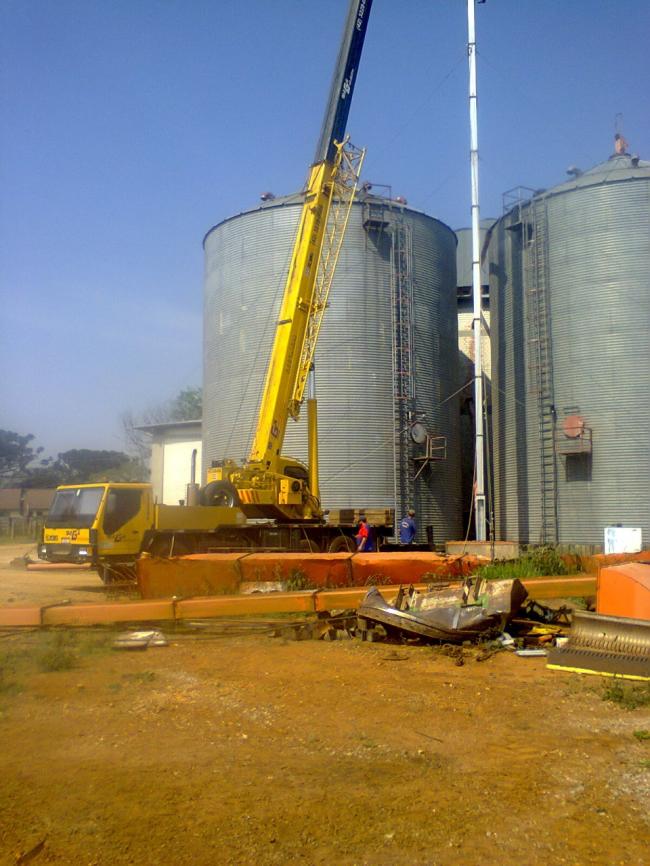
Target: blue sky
(130, 128)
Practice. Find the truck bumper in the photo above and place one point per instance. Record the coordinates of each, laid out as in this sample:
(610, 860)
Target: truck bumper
(73, 553)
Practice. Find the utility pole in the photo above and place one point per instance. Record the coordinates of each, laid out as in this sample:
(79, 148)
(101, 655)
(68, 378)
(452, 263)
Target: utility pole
(477, 321)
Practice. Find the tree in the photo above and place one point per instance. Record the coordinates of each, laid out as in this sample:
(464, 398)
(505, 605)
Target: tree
(84, 464)
(187, 405)
(19, 466)
(16, 453)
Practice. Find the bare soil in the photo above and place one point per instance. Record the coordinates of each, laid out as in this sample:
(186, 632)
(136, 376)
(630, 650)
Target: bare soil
(23, 586)
(260, 750)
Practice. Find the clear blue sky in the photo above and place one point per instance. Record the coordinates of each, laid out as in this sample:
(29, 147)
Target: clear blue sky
(130, 128)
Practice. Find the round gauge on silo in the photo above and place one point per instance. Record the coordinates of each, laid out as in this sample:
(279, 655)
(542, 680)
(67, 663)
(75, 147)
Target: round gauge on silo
(419, 433)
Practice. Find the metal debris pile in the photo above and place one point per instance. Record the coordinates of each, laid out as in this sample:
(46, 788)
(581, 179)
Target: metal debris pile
(453, 614)
(479, 610)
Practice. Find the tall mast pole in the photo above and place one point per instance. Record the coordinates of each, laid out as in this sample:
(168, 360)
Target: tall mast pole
(477, 324)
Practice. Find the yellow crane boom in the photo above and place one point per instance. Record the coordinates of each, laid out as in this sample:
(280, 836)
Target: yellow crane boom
(270, 484)
(328, 199)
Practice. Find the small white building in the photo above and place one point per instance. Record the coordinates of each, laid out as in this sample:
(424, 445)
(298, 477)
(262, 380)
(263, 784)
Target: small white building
(175, 449)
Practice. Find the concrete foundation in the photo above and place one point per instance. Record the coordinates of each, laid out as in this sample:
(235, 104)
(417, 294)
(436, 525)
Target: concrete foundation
(493, 550)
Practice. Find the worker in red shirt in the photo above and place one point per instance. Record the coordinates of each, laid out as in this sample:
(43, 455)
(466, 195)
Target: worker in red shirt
(365, 536)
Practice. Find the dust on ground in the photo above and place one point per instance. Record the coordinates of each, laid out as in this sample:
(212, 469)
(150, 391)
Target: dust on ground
(19, 585)
(261, 750)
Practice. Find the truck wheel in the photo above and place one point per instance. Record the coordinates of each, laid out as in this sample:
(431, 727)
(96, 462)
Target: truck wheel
(342, 544)
(308, 545)
(220, 493)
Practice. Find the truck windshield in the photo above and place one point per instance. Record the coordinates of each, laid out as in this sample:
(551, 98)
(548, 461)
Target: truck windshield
(75, 507)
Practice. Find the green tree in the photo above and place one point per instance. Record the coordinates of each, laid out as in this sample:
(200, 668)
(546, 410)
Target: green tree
(187, 405)
(85, 464)
(50, 474)
(16, 453)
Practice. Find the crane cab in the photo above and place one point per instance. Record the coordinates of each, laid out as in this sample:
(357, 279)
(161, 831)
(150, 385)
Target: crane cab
(88, 521)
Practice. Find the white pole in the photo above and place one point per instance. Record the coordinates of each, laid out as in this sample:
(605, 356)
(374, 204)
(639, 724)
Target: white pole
(479, 490)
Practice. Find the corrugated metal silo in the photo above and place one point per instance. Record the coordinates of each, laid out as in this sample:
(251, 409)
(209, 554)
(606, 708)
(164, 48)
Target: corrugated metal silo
(396, 263)
(570, 300)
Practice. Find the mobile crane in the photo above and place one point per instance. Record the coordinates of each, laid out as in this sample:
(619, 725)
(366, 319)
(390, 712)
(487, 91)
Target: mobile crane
(269, 484)
(110, 524)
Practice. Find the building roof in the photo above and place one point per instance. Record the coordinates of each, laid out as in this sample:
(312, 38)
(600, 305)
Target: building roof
(10, 499)
(169, 426)
(38, 498)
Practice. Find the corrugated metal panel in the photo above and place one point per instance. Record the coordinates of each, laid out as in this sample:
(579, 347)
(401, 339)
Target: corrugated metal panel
(599, 312)
(509, 424)
(246, 260)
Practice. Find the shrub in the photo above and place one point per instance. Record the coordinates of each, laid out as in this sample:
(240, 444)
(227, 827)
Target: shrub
(61, 655)
(537, 562)
(628, 695)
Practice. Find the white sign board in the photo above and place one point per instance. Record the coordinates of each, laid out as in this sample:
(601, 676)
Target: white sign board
(622, 539)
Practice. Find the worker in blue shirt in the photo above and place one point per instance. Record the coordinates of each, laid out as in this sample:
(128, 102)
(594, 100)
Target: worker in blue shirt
(407, 528)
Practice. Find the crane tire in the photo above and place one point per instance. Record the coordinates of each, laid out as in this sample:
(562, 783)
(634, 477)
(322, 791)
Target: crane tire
(220, 493)
(342, 544)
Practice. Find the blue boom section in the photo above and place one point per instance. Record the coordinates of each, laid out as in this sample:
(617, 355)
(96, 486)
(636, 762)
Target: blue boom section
(335, 120)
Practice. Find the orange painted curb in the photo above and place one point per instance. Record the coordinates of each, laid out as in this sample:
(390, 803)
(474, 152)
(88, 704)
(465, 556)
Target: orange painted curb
(96, 613)
(11, 616)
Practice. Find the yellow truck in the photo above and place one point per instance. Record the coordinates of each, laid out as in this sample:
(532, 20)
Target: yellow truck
(109, 524)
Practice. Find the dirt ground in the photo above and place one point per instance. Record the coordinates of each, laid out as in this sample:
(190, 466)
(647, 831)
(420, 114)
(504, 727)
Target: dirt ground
(20, 586)
(253, 749)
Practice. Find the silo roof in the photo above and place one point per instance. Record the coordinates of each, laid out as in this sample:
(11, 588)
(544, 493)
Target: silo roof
(297, 198)
(619, 167)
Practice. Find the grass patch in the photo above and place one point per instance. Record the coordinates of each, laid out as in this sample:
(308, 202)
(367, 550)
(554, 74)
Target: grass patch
(8, 686)
(537, 562)
(298, 581)
(629, 695)
(47, 651)
(11, 666)
(93, 642)
(641, 735)
(61, 654)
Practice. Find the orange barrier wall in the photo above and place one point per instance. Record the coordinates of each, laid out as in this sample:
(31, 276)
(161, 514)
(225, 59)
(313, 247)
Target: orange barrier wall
(316, 570)
(183, 576)
(218, 573)
(415, 567)
(624, 590)
(592, 564)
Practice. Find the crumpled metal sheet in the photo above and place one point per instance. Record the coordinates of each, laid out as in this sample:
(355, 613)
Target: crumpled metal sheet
(451, 613)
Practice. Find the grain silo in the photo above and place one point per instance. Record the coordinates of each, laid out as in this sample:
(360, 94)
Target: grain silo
(386, 362)
(570, 302)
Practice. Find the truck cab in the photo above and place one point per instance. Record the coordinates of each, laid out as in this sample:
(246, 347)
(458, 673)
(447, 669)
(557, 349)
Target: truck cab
(88, 522)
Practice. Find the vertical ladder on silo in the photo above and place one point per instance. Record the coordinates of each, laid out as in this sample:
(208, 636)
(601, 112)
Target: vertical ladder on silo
(540, 362)
(402, 355)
